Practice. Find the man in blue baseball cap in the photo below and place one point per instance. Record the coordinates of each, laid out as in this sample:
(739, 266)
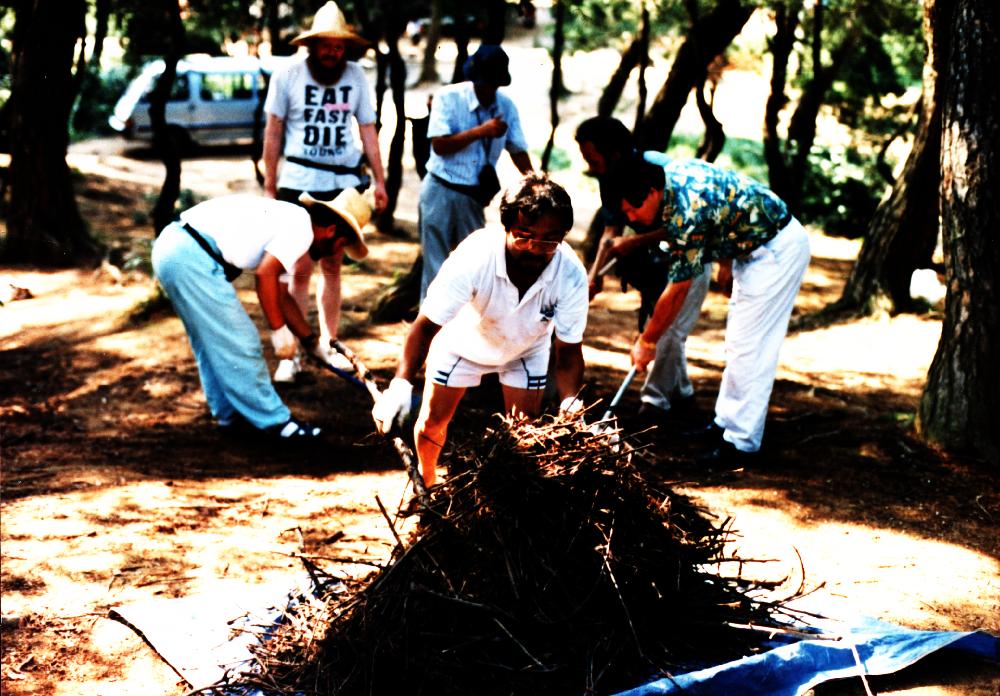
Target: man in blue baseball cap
(471, 123)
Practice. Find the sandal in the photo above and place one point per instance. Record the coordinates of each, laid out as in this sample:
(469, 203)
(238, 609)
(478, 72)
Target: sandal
(294, 430)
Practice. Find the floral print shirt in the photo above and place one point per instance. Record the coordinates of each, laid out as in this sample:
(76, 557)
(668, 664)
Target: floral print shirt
(711, 213)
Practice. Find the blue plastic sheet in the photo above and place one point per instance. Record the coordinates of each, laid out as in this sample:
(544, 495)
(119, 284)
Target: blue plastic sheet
(870, 648)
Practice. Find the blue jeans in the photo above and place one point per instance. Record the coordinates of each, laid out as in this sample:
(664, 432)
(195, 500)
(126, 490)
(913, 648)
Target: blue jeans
(224, 340)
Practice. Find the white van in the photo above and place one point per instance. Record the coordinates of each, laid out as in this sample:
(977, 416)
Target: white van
(214, 99)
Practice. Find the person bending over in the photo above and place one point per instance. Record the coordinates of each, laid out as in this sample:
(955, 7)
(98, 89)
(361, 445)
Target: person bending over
(493, 308)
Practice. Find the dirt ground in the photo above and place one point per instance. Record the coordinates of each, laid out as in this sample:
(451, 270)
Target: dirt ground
(117, 488)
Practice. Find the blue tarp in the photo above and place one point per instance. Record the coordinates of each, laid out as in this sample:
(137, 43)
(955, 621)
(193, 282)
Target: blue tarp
(194, 635)
(871, 647)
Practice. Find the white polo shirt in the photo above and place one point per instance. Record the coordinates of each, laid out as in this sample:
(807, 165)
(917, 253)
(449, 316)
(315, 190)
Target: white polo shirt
(477, 305)
(245, 226)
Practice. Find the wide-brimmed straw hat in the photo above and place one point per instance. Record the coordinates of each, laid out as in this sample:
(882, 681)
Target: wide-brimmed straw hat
(352, 207)
(329, 23)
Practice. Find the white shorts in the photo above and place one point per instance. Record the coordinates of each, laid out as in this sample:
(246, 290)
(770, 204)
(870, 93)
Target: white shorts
(451, 370)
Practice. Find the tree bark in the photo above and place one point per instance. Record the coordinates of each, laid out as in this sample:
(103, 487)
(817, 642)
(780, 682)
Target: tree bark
(399, 301)
(612, 93)
(428, 70)
(168, 140)
(786, 19)
(715, 136)
(556, 88)
(44, 225)
(904, 230)
(88, 75)
(640, 105)
(394, 164)
(961, 400)
(709, 36)
(461, 47)
(802, 128)
(496, 21)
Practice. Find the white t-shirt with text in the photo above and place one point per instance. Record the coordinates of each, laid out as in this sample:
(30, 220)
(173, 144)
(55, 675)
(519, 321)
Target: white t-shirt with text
(318, 124)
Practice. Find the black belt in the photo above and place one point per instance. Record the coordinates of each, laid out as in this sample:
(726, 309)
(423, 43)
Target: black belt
(335, 168)
(458, 188)
(232, 272)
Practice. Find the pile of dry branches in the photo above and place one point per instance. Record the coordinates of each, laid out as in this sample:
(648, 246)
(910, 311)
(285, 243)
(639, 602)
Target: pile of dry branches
(545, 565)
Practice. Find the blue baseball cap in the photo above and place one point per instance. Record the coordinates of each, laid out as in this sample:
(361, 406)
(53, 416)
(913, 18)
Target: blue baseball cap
(488, 64)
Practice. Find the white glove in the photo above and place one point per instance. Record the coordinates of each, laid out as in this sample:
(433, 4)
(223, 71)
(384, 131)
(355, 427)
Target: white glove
(283, 341)
(393, 405)
(570, 406)
(325, 351)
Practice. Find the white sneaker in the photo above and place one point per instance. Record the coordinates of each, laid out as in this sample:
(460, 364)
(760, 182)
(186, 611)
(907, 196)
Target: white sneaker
(286, 370)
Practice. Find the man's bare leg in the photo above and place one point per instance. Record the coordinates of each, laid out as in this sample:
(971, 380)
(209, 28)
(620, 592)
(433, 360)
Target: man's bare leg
(526, 401)
(328, 297)
(429, 433)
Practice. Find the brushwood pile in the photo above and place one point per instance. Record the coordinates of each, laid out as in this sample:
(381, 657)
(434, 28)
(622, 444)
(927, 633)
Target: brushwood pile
(544, 564)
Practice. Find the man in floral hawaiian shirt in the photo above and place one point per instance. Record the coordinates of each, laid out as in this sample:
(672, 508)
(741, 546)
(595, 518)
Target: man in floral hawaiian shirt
(709, 214)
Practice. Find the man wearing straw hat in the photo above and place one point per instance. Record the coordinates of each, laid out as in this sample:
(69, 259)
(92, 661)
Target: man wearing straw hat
(196, 258)
(310, 106)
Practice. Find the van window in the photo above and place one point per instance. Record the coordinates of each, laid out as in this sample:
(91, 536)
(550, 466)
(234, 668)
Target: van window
(180, 92)
(228, 86)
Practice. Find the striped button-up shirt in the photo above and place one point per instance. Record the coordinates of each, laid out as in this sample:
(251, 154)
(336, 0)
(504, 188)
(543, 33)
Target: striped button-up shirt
(455, 109)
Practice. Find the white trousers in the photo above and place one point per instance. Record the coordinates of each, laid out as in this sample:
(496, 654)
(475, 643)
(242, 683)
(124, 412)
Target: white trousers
(764, 290)
(668, 375)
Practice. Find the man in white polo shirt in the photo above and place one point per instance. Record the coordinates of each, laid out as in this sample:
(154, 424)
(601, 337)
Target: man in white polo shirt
(493, 308)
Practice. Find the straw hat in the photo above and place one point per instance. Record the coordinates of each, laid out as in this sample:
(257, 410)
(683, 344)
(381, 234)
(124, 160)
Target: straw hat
(329, 23)
(352, 207)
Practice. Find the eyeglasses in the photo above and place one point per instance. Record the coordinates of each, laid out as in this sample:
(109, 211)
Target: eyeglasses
(519, 241)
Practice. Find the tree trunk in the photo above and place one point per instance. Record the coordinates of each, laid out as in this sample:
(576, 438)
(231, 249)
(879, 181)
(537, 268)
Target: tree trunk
(640, 105)
(88, 75)
(428, 70)
(44, 225)
(461, 47)
(394, 164)
(709, 36)
(279, 43)
(786, 19)
(556, 88)
(802, 128)
(496, 21)
(168, 140)
(961, 400)
(612, 93)
(399, 301)
(904, 230)
(715, 136)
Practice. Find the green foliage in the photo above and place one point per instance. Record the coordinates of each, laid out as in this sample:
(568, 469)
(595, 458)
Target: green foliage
(739, 154)
(594, 24)
(841, 192)
(559, 160)
(842, 186)
(90, 115)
